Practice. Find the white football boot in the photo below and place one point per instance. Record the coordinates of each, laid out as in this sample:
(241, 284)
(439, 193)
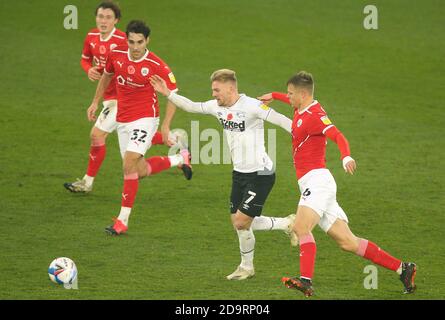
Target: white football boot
(241, 274)
(79, 186)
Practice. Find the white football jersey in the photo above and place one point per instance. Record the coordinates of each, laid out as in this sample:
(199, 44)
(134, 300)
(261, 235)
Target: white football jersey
(243, 124)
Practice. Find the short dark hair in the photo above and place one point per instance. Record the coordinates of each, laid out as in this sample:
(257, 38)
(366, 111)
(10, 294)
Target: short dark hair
(303, 80)
(138, 26)
(110, 5)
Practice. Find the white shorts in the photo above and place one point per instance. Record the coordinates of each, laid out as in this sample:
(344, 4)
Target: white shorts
(319, 192)
(136, 136)
(107, 117)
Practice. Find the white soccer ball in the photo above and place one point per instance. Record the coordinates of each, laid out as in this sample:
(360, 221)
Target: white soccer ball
(62, 271)
(179, 137)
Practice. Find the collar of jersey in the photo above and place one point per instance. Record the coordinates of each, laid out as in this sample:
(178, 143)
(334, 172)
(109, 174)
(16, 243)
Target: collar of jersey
(109, 37)
(142, 58)
(240, 96)
(311, 105)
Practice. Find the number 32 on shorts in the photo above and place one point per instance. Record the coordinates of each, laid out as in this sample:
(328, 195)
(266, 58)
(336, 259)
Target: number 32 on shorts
(139, 135)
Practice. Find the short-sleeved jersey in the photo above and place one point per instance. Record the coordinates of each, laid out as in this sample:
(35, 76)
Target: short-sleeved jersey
(135, 94)
(243, 124)
(308, 138)
(95, 52)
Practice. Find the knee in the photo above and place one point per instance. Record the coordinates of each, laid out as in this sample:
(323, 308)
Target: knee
(130, 165)
(348, 245)
(240, 225)
(301, 229)
(98, 137)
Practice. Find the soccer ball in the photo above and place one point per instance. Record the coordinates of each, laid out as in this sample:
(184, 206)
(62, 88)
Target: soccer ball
(62, 271)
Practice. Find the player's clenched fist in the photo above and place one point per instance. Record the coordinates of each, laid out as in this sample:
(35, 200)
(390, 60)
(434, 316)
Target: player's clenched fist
(349, 165)
(91, 112)
(94, 74)
(266, 98)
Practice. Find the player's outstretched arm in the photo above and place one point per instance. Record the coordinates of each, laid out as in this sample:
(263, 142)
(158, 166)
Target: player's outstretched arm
(182, 102)
(279, 119)
(343, 145)
(101, 86)
(269, 97)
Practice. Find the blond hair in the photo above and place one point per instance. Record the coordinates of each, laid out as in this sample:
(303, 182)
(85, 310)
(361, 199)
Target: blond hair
(223, 75)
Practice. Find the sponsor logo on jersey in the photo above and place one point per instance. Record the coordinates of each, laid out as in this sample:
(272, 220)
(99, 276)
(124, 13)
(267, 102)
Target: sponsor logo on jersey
(233, 125)
(172, 78)
(299, 122)
(120, 80)
(264, 107)
(112, 46)
(229, 116)
(144, 71)
(325, 120)
(102, 49)
(119, 63)
(92, 44)
(131, 69)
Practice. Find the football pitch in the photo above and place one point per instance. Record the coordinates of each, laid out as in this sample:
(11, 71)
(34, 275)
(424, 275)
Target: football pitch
(384, 89)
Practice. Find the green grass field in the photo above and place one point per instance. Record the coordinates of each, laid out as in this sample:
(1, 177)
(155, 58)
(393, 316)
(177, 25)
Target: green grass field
(383, 88)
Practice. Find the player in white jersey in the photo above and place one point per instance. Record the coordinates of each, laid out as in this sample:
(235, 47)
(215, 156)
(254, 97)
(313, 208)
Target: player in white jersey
(253, 177)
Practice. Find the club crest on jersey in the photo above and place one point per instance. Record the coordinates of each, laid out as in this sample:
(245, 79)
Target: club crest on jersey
(144, 71)
(299, 122)
(102, 49)
(131, 69)
(264, 107)
(241, 115)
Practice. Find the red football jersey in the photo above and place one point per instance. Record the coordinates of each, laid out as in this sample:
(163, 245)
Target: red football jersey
(308, 138)
(95, 52)
(135, 94)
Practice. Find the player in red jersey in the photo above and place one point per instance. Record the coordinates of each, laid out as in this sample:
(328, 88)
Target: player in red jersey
(97, 45)
(318, 203)
(137, 114)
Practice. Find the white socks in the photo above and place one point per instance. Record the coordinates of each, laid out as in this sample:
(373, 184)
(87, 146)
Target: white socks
(263, 223)
(399, 270)
(176, 160)
(124, 215)
(247, 248)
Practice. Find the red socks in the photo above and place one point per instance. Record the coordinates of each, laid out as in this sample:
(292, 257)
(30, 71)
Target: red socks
(131, 184)
(97, 155)
(308, 249)
(157, 138)
(157, 164)
(371, 251)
